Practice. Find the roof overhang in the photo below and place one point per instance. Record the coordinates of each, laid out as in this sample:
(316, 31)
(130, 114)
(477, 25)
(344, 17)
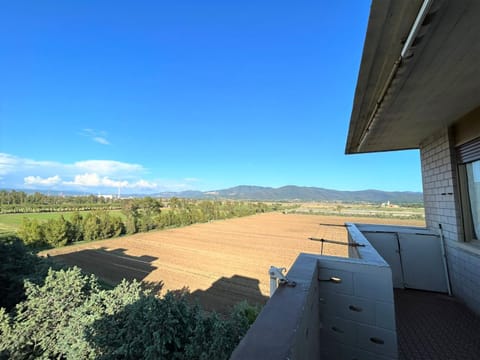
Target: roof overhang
(400, 101)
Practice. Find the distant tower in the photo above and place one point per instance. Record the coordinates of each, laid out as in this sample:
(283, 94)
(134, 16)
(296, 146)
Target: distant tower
(118, 193)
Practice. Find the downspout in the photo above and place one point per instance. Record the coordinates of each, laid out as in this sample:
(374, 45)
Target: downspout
(403, 54)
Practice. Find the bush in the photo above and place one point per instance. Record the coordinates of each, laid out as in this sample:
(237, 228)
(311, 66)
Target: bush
(70, 316)
(57, 232)
(18, 264)
(101, 225)
(31, 232)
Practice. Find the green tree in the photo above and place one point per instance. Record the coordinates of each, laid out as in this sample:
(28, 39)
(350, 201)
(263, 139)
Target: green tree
(76, 227)
(99, 224)
(57, 231)
(131, 212)
(17, 264)
(174, 203)
(31, 232)
(41, 323)
(91, 227)
(71, 317)
(148, 216)
(117, 226)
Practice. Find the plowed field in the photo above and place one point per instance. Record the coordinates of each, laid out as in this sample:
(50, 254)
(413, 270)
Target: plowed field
(221, 262)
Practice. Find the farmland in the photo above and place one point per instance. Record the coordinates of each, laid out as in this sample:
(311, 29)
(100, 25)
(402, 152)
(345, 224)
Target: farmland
(10, 223)
(221, 262)
(385, 210)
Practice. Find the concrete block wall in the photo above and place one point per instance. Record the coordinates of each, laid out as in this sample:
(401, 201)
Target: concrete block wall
(442, 206)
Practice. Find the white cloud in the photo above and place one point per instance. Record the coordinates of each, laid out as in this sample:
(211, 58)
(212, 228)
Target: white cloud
(85, 175)
(108, 167)
(143, 184)
(114, 183)
(37, 180)
(101, 140)
(85, 180)
(93, 180)
(96, 135)
(7, 163)
(11, 164)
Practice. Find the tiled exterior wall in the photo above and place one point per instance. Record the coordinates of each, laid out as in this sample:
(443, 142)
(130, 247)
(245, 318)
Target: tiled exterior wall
(465, 275)
(439, 184)
(442, 206)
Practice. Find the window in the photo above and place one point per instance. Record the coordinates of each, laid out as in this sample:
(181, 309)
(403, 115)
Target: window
(473, 180)
(468, 157)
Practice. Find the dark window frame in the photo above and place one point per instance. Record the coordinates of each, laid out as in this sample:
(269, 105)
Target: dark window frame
(467, 153)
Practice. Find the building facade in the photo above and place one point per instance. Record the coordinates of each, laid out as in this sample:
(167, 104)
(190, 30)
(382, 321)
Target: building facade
(419, 88)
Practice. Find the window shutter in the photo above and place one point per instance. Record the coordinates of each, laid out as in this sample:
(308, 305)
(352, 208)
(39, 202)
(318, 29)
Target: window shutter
(469, 151)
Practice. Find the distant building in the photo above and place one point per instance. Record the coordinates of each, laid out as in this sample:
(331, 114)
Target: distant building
(106, 196)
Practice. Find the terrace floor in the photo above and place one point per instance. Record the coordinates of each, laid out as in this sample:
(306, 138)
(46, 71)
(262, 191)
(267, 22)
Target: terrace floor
(435, 326)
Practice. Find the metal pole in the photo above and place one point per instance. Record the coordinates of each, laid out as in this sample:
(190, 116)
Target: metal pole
(273, 285)
(276, 275)
(444, 255)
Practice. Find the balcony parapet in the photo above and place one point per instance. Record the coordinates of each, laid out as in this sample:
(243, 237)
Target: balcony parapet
(414, 254)
(287, 327)
(341, 308)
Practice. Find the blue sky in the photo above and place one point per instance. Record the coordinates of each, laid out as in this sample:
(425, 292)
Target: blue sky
(155, 95)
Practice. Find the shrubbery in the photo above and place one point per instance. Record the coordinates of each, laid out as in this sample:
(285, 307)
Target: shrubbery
(95, 225)
(17, 264)
(69, 315)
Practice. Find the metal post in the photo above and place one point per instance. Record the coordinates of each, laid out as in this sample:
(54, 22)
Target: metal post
(276, 274)
(444, 255)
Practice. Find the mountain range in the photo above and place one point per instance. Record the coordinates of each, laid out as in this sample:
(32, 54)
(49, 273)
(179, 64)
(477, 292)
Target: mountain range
(299, 193)
(284, 193)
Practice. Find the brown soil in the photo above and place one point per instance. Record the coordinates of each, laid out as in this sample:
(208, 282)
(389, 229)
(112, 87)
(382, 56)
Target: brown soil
(221, 262)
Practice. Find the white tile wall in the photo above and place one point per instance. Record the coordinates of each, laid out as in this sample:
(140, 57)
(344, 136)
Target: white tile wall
(357, 315)
(442, 206)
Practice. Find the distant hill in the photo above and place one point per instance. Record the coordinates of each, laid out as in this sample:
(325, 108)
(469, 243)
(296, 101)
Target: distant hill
(302, 193)
(286, 193)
